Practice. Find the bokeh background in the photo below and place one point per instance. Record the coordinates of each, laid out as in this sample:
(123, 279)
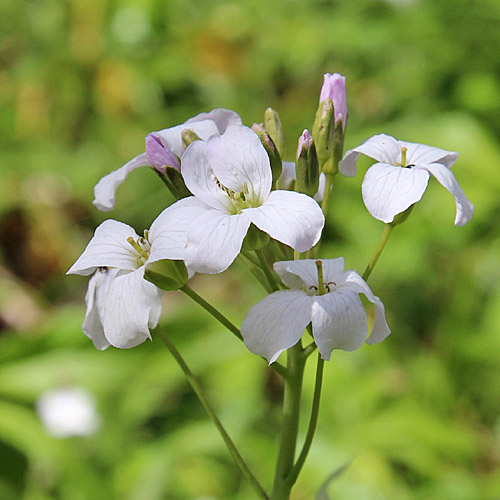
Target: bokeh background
(83, 81)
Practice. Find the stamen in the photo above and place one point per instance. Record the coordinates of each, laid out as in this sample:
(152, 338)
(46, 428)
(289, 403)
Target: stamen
(134, 244)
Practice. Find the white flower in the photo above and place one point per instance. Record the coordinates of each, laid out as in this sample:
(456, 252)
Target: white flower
(163, 148)
(68, 412)
(121, 304)
(338, 317)
(400, 177)
(230, 177)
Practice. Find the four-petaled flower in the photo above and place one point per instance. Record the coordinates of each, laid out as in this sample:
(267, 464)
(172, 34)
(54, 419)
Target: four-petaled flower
(163, 148)
(400, 177)
(230, 178)
(338, 318)
(121, 304)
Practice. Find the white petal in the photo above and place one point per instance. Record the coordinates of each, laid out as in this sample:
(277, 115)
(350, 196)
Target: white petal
(200, 178)
(96, 293)
(168, 233)
(105, 189)
(388, 191)
(108, 248)
(288, 175)
(382, 148)
(292, 218)
(338, 321)
(214, 241)
(332, 268)
(422, 155)
(172, 136)
(465, 209)
(238, 158)
(321, 188)
(298, 273)
(352, 280)
(222, 118)
(276, 323)
(131, 306)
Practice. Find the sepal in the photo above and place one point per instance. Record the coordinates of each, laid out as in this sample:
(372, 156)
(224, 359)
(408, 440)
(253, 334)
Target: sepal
(307, 166)
(167, 274)
(272, 124)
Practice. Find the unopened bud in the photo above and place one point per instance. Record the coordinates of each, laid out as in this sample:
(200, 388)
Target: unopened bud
(272, 124)
(159, 153)
(189, 136)
(307, 166)
(334, 88)
(323, 129)
(272, 152)
(167, 274)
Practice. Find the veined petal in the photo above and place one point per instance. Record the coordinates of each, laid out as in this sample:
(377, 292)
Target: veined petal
(332, 268)
(105, 189)
(338, 322)
(276, 323)
(422, 155)
(298, 273)
(222, 118)
(381, 147)
(132, 306)
(94, 298)
(353, 281)
(108, 248)
(238, 159)
(292, 218)
(168, 233)
(388, 191)
(173, 138)
(200, 178)
(214, 241)
(445, 177)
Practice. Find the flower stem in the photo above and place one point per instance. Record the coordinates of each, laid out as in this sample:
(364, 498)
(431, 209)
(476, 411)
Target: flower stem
(208, 408)
(266, 269)
(248, 260)
(290, 424)
(326, 195)
(312, 422)
(378, 251)
(212, 310)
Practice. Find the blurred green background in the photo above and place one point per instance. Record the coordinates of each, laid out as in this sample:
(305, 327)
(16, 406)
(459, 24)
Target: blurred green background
(83, 81)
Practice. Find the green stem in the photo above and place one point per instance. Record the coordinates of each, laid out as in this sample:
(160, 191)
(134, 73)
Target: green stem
(378, 251)
(257, 273)
(326, 195)
(266, 269)
(312, 422)
(290, 424)
(208, 408)
(212, 310)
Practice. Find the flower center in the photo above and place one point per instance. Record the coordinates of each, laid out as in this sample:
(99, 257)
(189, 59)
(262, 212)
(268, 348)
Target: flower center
(239, 200)
(142, 248)
(323, 287)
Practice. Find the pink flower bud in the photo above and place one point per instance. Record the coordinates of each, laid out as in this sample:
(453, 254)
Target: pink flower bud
(305, 141)
(334, 89)
(159, 154)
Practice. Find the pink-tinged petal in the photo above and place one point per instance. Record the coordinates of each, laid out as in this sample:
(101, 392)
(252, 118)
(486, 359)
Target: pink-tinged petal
(94, 298)
(422, 155)
(168, 233)
(352, 280)
(214, 241)
(382, 148)
(465, 209)
(276, 323)
(172, 136)
(200, 178)
(238, 158)
(338, 322)
(159, 153)
(334, 88)
(108, 248)
(388, 191)
(105, 189)
(298, 273)
(222, 118)
(132, 306)
(321, 188)
(292, 218)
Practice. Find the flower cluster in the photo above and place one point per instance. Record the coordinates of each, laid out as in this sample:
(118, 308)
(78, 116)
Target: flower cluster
(232, 191)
